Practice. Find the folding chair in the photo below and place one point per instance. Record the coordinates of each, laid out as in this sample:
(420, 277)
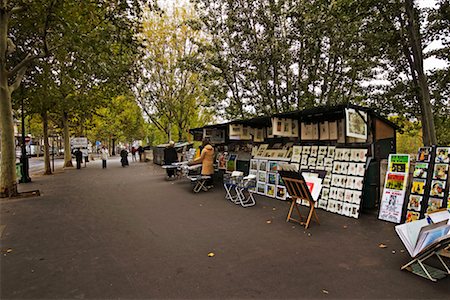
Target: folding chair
(199, 183)
(230, 183)
(246, 186)
(298, 191)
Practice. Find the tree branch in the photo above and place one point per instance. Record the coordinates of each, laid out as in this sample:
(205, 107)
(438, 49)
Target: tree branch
(17, 9)
(15, 85)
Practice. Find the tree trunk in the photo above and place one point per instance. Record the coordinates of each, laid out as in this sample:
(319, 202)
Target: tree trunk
(415, 42)
(48, 170)
(8, 181)
(67, 149)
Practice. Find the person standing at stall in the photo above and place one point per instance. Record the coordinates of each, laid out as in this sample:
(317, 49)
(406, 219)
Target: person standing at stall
(170, 156)
(207, 160)
(78, 157)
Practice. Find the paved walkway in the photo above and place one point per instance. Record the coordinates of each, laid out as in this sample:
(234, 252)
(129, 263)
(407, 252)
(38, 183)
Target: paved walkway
(128, 233)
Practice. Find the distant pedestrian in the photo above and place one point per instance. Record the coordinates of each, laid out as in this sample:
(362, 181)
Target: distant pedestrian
(140, 151)
(104, 155)
(124, 157)
(78, 157)
(133, 153)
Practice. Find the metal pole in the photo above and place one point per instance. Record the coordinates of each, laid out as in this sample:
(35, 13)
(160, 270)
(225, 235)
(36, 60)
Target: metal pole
(24, 157)
(53, 153)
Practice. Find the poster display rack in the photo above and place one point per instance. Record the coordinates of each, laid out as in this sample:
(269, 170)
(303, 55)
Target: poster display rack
(429, 189)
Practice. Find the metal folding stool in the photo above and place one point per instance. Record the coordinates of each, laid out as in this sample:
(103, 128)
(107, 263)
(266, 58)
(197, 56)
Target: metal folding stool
(230, 183)
(200, 182)
(245, 186)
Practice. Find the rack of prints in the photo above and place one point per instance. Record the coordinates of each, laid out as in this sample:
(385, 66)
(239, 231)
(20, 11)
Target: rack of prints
(394, 188)
(342, 191)
(430, 185)
(269, 182)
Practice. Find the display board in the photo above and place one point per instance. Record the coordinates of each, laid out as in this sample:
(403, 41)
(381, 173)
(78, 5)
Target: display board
(429, 189)
(342, 185)
(394, 188)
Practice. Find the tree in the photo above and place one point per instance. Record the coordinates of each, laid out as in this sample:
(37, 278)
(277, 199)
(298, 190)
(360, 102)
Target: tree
(171, 90)
(40, 27)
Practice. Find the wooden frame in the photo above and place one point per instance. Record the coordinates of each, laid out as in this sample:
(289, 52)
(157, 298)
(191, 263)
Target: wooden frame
(298, 191)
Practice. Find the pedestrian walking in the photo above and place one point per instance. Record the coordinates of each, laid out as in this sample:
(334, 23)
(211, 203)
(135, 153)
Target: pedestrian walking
(140, 151)
(104, 155)
(124, 157)
(78, 157)
(133, 153)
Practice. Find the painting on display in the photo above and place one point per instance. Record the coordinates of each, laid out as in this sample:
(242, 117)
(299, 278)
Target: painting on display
(356, 123)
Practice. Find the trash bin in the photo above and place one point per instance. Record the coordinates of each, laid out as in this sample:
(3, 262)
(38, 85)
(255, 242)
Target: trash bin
(19, 171)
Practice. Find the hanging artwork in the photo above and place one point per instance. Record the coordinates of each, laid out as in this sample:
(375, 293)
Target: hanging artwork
(356, 123)
(324, 131)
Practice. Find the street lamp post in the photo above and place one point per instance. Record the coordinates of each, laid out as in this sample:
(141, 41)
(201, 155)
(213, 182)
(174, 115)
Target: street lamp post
(24, 157)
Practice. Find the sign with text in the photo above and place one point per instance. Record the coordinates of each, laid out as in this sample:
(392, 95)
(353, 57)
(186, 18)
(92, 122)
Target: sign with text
(79, 142)
(394, 188)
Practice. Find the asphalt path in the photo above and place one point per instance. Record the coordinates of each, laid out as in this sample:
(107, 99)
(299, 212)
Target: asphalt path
(129, 233)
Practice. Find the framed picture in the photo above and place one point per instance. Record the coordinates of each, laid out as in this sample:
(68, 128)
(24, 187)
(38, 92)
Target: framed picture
(434, 204)
(273, 166)
(333, 193)
(348, 196)
(340, 194)
(437, 188)
(358, 183)
(442, 155)
(339, 154)
(354, 213)
(412, 216)
(261, 188)
(304, 160)
(420, 170)
(331, 207)
(323, 204)
(440, 171)
(339, 207)
(314, 151)
(306, 150)
(253, 164)
(271, 178)
(262, 165)
(320, 161)
(270, 190)
(356, 197)
(294, 128)
(331, 151)
(360, 169)
(262, 148)
(333, 130)
(414, 202)
(346, 209)
(262, 176)
(281, 192)
(424, 154)
(356, 123)
(280, 181)
(258, 135)
(344, 168)
(324, 131)
(418, 186)
(312, 161)
(296, 153)
(337, 167)
(325, 193)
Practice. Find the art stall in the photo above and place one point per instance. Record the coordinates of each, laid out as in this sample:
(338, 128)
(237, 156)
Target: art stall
(343, 146)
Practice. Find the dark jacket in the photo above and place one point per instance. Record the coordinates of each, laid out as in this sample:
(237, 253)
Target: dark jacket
(170, 155)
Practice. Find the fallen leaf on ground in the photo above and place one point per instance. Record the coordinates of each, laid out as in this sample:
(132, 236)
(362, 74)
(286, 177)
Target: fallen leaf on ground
(9, 250)
(345, 226)
(274, 208)
(325, 291)
(268, 221)
(382, 245)
(393, 251)
(211, 254)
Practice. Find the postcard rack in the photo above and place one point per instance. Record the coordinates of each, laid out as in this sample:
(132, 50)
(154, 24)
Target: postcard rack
(417, 265)
(298, 191)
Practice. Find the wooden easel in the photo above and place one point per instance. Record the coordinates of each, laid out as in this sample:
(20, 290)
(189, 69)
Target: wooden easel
(298, 190)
